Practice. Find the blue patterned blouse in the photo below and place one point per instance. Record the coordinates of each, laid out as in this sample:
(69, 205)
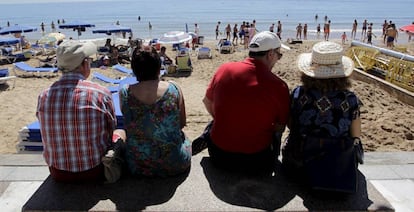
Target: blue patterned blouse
(155, 144)
(326, 116)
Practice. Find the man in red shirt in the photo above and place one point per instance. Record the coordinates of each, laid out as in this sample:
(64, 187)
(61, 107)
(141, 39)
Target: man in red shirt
(249, 105)
(76, 118)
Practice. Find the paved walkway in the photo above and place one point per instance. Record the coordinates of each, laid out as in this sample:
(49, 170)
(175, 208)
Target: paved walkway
(391, 173)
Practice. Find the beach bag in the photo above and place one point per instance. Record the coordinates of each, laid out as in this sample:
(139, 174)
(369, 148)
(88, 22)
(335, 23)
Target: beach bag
(328, 164)
(113, 162)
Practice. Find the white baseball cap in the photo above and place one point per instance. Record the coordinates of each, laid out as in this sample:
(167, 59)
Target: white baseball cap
(71, 53)
(265, 41)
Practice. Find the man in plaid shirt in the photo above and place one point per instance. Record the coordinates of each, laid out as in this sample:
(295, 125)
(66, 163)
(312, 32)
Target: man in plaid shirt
(77, 118)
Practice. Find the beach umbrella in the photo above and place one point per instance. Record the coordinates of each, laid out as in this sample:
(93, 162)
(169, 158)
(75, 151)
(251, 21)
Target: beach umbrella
(80, 26)
(9, 41)
(17, 29)
(47, 39)
(175, 37)
(408, 28)
(193, 34)
(59, 36)
(75, 25)
(111, 29)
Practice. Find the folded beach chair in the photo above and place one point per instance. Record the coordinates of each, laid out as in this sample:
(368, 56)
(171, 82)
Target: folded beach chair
(204, 53)
(5, 76)
(123, 69)
(27, 69)
(99, 76)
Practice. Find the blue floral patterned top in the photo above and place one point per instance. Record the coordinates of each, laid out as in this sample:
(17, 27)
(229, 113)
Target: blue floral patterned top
(325, 116)
(155, 144)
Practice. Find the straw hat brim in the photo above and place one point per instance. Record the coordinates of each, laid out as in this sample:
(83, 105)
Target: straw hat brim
(325, 71)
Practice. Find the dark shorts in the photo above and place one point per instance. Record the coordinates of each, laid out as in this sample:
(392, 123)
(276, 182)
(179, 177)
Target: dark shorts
(390, 39)
(260, 162)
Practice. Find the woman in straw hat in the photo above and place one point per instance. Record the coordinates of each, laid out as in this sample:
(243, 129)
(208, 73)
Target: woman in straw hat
(324, 112)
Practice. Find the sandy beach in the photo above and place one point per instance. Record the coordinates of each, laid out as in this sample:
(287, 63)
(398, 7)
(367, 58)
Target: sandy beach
(387, 123)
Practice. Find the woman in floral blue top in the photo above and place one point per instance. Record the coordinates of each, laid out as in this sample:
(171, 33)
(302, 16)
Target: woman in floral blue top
(324, 113)
(154, 115)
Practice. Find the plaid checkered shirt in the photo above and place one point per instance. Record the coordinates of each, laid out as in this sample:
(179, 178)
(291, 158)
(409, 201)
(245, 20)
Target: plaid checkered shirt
(77, 119)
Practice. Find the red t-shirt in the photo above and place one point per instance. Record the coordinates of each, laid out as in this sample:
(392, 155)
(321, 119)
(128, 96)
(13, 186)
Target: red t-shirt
(247, 99)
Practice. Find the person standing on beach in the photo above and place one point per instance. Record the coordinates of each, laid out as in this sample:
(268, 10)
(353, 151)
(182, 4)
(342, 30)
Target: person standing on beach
(241, 32)
(228, 31)
(279, 30)
(52, 25)
(77, 118)
(235, 34)
(364, 29)
(327, 30)
(305, 31)
(42, 27)
(299, 32)
(318, 31)
(392, 35)
(272, 27)
(343, 38)
(252, 31)
(217, 29)
(384, 30)
(370, 34)
(246, 35)
(354, 29)
(249, 105)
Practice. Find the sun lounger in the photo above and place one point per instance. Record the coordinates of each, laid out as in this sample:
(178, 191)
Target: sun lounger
(26, 68)
(122, 69)
(204, 53)
(225, 46)
(99, 76)
(4, 77)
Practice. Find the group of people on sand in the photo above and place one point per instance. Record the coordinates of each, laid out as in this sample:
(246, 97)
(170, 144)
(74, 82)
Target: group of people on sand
(250, 108)
(247, 30)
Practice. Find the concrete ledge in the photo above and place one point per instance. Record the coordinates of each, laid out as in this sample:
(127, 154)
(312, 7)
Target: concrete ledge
(401, 94)
(204, 188)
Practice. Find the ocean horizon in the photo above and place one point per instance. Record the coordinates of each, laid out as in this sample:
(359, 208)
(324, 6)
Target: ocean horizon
(176, 15)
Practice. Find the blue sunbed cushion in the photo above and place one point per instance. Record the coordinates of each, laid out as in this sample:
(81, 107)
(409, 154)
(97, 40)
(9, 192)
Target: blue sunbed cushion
(105, 78)
(122, 69)
(4, 72)
(26, 67)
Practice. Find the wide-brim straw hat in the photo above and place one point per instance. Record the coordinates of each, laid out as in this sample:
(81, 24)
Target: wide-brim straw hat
(326, 61)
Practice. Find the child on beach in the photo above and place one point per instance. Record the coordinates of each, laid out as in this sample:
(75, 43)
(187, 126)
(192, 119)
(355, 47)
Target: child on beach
(370, 34)
(344, 38)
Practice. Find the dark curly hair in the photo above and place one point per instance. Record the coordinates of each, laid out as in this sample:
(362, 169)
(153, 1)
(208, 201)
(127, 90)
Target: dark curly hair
(146, 64)
(325, 85)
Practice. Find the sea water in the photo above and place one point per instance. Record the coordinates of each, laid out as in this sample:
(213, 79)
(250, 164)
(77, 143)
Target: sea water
(173, 15)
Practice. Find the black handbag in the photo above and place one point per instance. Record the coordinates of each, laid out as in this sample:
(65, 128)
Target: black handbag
(331, 164)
